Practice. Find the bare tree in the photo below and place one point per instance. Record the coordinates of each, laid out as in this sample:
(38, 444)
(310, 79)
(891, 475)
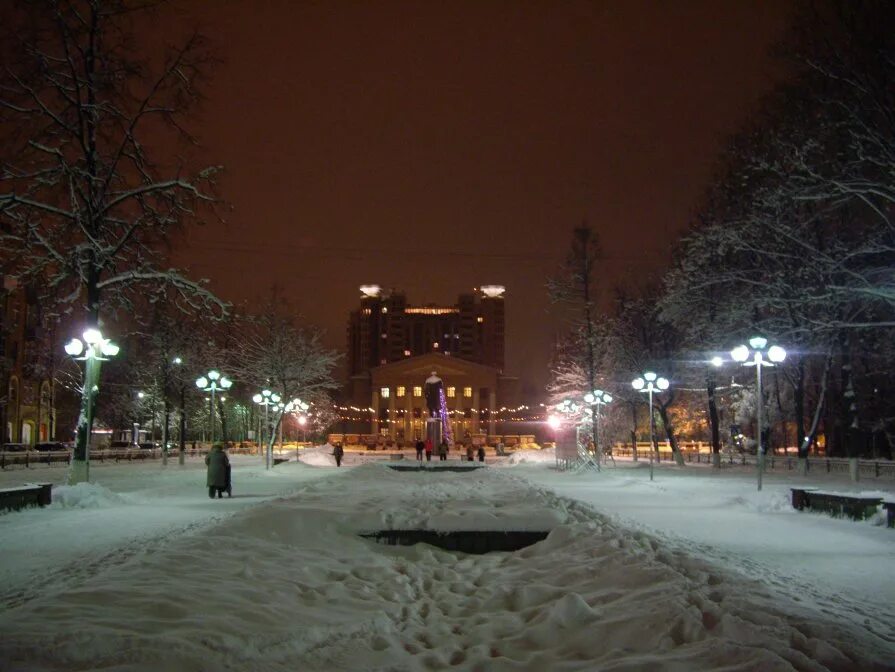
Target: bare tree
(574, 287)
(271, 352)
(86, 205)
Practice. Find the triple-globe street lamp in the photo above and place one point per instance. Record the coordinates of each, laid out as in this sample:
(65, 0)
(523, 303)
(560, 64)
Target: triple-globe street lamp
(650, 382)
(93, 350)
(758, 354)
(211, 382)
(266, 398)
(598, 398)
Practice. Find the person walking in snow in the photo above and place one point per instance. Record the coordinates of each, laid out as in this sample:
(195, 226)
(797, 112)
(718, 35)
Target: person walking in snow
(481, 453)
(470, 452)
(218, 468)
(420, 447)
(338, 452)
(443, 450)
(428, 450)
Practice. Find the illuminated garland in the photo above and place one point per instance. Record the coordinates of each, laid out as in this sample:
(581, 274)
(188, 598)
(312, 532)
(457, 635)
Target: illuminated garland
(445, 422)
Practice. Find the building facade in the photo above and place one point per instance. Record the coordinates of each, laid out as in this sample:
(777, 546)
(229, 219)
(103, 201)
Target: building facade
(393, 347)
(27, 411)
(386, 329)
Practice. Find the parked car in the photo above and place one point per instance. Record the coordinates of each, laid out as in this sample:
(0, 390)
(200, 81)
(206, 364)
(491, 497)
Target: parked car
(50, 446)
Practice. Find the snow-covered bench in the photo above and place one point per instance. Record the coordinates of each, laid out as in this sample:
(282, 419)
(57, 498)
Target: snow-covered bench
(30, 494)
(837, 505)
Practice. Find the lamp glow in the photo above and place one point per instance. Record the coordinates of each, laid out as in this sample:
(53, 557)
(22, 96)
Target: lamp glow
(662, 383)
(74, 347)
(739, 353)
(776, 354)
(213, 375)
(758, 342)
(202, 382)
(109, 349)
(92, 336)
(257, 398)
(649, 376)
(717, 361)
(638, 383)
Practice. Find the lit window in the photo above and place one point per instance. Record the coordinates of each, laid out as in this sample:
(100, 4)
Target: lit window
(399, 391)
(385, 310)
(383, 392)
(407, 353)
(467, 391)
(435, 345)
(417, 391)
(452, 391)
(480, 319)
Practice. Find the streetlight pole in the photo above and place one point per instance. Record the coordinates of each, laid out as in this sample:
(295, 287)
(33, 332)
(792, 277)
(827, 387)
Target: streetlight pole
(92, 351)
(649, 383)
(266, 398)
(598, 398)
(181, 457)
(211, 382)
(754, 355)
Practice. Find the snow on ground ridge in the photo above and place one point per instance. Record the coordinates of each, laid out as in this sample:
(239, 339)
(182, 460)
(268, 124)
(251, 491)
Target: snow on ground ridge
(289, 583)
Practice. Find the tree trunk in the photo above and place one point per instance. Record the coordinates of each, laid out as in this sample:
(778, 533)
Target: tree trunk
(165, 427)
(79, 470)
(634, 429)
(224, 435)
(713, 420)
(181, 456)
(669, 432)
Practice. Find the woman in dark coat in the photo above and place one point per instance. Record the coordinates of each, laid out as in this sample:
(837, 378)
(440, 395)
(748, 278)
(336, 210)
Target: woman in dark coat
(218, 470)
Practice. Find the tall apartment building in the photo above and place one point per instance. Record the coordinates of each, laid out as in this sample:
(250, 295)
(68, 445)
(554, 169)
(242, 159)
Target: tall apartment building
(386, 329)
(394, 346)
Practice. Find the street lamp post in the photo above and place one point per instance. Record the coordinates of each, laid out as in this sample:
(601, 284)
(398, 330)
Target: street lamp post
(649, 383)
(211, 382)
(598, 398)
(181, 457)
(754, 355)
(135, 433)
(266, 398)
(93, 350)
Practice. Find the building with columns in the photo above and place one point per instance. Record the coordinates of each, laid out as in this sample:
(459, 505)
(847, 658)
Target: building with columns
(394, 347)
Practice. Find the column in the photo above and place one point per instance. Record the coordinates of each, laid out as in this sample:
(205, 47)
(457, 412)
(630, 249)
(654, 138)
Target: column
(391, 412)
(492, 410)
(476, 410)
(408, 412)
(374, 423)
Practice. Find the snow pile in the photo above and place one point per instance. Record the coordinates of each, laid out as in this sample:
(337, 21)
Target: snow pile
(289, 584)
(85, 496)
(666, 580)
(523, 456)
(318, 456)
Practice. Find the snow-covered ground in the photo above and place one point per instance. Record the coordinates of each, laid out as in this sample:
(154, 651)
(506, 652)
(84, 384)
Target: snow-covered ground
(694, 571)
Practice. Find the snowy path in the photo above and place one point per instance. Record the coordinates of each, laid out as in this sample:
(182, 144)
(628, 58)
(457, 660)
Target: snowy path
(287, 584)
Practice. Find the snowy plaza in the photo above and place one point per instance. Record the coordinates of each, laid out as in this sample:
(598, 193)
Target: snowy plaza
(139, 570)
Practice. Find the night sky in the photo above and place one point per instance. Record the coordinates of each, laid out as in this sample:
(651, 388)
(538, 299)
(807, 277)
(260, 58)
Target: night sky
(435, 146)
